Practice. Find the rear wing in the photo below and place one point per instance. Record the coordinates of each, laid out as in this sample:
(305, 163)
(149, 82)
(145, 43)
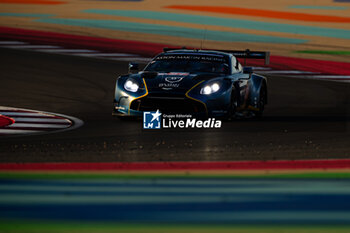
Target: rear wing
(250, 54)
(166, 49)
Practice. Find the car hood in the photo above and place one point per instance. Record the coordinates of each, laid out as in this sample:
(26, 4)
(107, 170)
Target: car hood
(173, 83)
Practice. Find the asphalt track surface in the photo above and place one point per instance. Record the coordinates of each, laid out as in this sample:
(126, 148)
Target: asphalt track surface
(305, 119)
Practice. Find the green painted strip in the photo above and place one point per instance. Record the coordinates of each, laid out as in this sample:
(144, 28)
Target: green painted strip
(229, 22)
(184, 32)
(17, 226)
(324, 52)
(318, 7)
(26, 15)
(165, 175)
(295, 187)
(24, 199)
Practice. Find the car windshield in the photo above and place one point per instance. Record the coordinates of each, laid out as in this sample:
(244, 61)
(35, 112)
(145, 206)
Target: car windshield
(189, 63)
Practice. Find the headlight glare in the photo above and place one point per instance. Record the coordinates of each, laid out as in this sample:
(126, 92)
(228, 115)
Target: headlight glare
(215, 87)
(206, 90)
(131, 85)
(210, 89)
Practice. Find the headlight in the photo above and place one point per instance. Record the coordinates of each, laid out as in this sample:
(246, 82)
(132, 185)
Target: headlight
(131, 85)
(210, 89)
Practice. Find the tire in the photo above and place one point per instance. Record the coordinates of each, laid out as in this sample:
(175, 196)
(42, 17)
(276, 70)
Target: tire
(262, 101)
(233, 105)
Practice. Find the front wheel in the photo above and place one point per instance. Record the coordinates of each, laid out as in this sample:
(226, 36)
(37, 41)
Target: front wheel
(261, 103)
(233, 105)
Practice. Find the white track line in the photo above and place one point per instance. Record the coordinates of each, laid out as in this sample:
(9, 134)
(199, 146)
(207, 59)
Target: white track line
(12, 43)
(37, 125)
(75, 52)
(30, 46)
(18, 131)
(332, 76)
(46, 120)
(286, 72)
(132, 59)
(29, 122)
(67, 50)
(261, 68)
(9, 113)
(323, 76)
(107, 55)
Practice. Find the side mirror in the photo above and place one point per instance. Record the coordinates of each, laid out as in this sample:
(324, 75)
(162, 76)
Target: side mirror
(247, 70)
(133, 67)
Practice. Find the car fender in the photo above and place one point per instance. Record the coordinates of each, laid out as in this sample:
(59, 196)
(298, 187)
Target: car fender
(256, 83)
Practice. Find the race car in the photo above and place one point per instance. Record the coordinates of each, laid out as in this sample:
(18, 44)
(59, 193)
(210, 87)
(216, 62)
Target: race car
(202, 83)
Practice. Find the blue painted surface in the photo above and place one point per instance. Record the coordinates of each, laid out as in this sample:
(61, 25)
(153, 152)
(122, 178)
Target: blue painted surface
(215, 201)
(171, 31)
(227, 22)
(318, 7)
(26, 15)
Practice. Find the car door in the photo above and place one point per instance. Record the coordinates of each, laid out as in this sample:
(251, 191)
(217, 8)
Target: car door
(241, 84)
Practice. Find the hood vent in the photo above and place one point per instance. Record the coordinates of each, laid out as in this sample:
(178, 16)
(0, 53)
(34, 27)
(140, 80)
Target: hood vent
(149, 75)
(205, 76)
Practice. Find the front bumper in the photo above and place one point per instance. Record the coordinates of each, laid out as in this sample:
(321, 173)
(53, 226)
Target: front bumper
(169, 105)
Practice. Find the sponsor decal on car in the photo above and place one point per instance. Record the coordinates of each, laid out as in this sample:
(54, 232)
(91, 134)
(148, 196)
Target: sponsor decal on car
(169, 85)
(216, 58)
(175, 73)
(173, 79)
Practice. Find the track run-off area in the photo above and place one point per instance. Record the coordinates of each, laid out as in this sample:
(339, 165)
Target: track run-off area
(245, 196)
(18, 122)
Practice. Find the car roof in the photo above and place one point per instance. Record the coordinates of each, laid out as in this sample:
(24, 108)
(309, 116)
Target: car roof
(199, 52)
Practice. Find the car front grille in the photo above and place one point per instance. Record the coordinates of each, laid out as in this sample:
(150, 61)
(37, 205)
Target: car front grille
(168, 104)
